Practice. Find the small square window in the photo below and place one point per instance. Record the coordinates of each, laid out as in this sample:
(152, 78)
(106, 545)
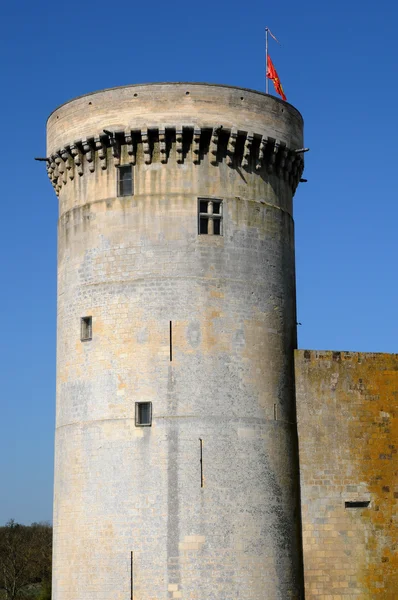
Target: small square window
(125, 181)
(143, 414)
(86, 329)
(210, 217)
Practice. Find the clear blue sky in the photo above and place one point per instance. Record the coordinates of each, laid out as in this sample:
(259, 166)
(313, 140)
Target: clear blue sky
(338, 65)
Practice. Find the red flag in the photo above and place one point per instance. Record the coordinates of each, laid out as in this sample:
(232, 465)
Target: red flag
(273, 75)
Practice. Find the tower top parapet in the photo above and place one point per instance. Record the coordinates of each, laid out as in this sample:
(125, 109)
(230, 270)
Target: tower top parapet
(168, 104)
(245, 127)
(174, 84)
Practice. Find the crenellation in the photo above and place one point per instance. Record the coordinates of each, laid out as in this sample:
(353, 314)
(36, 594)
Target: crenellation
(162, 146)
(53, 174)
(231, 146)
(58, 171)
(179, 144)
(131, 147)
(113, 142)
(66, 164)
(61, 169)
(294, 176)
(102, 153)
(196, 145)
(76, 153)
(280, 159)
(89, 154)
(214, 144)
(273, 149)
(290, 156)
(53, 169)
(49, 170)
(69, 163)
(261, 154)
(146, 147)
(249, 149)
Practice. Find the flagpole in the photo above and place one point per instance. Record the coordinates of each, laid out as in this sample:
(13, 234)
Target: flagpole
(266, 60)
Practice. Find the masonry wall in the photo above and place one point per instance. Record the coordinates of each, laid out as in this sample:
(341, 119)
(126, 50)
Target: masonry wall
(348, 435)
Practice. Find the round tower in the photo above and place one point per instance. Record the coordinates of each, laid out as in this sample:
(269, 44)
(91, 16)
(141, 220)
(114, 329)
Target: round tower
(176, 464)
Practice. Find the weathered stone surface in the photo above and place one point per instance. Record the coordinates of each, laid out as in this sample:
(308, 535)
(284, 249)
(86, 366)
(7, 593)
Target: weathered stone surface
(134, 264)
(348, 437)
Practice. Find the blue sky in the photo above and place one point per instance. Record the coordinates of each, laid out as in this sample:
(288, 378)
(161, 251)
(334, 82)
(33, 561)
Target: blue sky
(338, 66)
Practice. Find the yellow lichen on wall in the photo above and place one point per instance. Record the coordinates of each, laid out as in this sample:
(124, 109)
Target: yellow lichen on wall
(348, 432)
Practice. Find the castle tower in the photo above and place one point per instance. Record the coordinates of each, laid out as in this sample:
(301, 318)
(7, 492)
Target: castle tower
(176, 468)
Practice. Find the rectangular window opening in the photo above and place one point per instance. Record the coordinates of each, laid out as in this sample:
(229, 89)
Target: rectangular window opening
(210, 217)
(143, 414)
(86, 329)
(216, 208)
(202, 226)
(125, 180)
(203, 206)
(357, 504)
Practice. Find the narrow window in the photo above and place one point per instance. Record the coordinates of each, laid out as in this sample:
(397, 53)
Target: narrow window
(210, 217)
(131, 575)
(125, 181)
(357, 504)
(86, 329)
(143, 414)
(201, 463)
(171, 341)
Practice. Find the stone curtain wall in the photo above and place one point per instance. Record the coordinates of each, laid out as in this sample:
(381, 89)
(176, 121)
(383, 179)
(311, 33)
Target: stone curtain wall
(347, 426)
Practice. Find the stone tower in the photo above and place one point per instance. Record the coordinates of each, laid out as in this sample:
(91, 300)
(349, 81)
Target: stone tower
(176, 469)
